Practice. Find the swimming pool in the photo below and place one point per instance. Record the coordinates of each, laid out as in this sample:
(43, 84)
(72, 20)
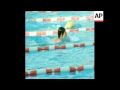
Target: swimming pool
(72, 56)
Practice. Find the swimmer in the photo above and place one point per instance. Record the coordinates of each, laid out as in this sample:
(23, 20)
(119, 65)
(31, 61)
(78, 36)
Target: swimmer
(61, 34)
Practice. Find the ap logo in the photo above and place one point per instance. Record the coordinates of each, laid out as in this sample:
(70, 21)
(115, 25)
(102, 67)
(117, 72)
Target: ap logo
(98, 16)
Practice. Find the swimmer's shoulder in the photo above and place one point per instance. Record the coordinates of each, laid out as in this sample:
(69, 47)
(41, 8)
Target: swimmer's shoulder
(55, 40)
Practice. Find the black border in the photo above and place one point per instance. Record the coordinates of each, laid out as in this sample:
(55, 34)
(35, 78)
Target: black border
(100, 37)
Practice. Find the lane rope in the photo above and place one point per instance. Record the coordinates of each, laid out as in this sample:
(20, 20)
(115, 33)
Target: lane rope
(63, 19)
(54, 47)
(54, 32)
(58, 70)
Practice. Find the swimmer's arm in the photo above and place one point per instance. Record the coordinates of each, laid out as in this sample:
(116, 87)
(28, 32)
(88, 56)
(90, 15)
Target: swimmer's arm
(55, 40)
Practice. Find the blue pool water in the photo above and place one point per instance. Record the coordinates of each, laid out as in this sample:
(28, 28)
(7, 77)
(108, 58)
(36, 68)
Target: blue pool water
(60, 58)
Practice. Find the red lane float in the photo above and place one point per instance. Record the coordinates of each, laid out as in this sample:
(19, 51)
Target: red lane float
(58, 70)
(53, 47)
(54, 32)
(63, 19)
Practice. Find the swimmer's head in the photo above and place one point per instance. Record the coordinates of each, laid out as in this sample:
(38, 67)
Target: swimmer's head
(61, 32)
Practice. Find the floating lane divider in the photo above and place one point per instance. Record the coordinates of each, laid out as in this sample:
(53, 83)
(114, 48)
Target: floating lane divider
(63, 19)
(58, 70)
(53, 47)
(54, 32)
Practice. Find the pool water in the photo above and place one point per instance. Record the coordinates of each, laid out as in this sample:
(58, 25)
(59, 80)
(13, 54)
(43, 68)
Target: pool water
(60, 57)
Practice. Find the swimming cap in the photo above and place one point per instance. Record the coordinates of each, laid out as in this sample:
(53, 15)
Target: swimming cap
(69, 25)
